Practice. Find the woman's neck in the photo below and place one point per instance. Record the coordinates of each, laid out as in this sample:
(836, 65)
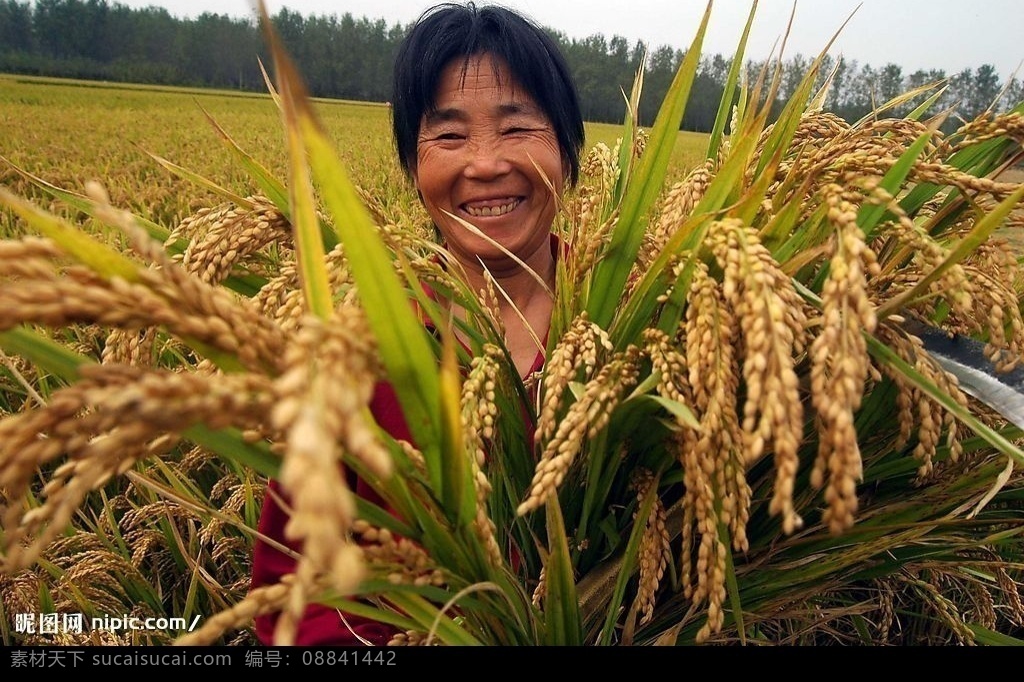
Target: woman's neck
(524, 301)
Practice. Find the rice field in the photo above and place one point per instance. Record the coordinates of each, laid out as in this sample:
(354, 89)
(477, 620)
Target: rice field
(752, 446)
(68, 132)
(71, 132)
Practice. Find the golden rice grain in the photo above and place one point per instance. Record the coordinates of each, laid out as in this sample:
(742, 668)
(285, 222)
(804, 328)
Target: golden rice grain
(479, 415)
(772, 322)
(655, 551)
(261, 600)
(583, 420)
(711, 330)
(839, 364)
(398, 560)
(574, 359)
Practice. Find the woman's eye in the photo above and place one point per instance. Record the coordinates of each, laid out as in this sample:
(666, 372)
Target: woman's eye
(513, 131)
(449, 136)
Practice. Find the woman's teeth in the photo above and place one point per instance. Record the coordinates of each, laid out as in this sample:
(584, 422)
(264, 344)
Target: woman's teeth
(483, 211)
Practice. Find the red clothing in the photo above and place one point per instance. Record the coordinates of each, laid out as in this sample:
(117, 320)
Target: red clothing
(321, 625)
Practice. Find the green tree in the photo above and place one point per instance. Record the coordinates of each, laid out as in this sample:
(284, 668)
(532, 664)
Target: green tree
(985, 89)
(219, 50)
(16, 26)
(661, 66)
(889, 83)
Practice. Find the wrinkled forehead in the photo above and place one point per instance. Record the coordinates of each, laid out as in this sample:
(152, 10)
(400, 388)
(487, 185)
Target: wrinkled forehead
(467, 72)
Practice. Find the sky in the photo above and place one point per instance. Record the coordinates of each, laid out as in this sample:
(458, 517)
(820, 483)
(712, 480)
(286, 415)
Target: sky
(951, 35)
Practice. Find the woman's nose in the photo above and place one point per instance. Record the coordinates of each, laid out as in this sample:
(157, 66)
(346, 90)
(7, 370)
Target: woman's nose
(486, 160)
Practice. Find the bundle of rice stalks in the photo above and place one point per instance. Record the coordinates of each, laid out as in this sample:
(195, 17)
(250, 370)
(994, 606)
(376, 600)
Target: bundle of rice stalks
(739, 434)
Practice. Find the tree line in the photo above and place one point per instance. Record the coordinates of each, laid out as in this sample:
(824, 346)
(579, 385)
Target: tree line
(346, 57)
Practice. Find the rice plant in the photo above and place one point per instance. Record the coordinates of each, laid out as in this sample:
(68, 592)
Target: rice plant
(738, 436)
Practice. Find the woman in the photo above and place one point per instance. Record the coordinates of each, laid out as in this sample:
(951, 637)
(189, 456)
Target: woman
(487, 125)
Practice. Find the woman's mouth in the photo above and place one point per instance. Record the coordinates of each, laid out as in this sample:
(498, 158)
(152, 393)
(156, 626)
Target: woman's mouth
(497, 207)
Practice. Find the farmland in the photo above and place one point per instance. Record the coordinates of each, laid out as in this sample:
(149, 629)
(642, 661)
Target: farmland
(729, 386)
(68, 132)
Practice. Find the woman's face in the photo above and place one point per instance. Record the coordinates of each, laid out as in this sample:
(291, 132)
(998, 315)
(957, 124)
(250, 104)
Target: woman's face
(483, 155)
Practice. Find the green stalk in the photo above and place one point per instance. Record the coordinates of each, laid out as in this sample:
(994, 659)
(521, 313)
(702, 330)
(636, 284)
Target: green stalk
(627, 564)
(457, 492)
(561, 608)
(731, 581)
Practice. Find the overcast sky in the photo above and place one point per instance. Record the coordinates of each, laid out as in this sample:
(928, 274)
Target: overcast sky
(916, 34)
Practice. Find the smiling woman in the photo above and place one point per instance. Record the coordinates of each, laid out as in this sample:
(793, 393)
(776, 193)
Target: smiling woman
(487, 124)
(488, 155)
(490, 174)
(488, 127)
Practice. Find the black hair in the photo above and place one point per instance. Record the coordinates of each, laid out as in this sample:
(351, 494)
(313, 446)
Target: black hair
(453, 31)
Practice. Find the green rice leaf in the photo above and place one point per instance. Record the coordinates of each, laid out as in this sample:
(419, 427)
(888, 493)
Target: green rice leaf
(871, 214)
(43, 352)
(886, 355)
(678, 410)
(273, 188)
(199, 180)
(983, 635)
(457, 490)
(401, 337)
(731, 80)
(308, 246)
(231, 443)
(613, 269)
(431, 619)
(927, 104)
